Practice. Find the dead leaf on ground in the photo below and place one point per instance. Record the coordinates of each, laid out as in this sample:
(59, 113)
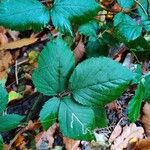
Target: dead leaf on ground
(19, 43)
(79, 50)
(3, 37)
(71, 144)
(46, 137)
(20, 142)
(116, 132)
(5, 62)
(127, 134)
(145, 119)
(142, 144)
(14, 34)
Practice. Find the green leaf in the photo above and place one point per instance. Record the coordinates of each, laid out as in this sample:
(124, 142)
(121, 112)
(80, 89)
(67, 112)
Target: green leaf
(65, 11)
(126, 3)
(134, 105)
(146, 25)
(128, 30)
(76, 121)
(147, 88)
(140, 44)
(89, 29)
(3, 98)
(22, 15)
(121, 17)
(138, 73)
(55, 65)
(1, 143)
(105, 81)
(49, 112)
(9, 121)
(100, 117)
(96, 48)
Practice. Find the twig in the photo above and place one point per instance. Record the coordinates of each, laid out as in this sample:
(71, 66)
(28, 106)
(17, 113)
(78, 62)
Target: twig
(16, 72)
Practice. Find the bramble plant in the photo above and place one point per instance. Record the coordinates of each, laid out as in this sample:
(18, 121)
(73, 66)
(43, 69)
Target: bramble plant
(80, 91)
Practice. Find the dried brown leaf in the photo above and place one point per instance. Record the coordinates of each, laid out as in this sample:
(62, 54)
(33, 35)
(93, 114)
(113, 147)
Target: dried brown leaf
(46, 136)
(145, 119)
(116, 132)
(142, 144)
(128, 133)
(79, 50)
(18, 43)
(5, 61)
(71, 144)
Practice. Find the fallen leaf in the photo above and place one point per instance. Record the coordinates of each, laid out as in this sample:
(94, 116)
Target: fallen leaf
(46, 137)
(71, 144)
(79, 50)
(116, 132)
(142, 144)
(127, 134)
(19, 43)
(145, 119)
(3, 37)
(5, 61)
(20, 142)
(101, 142)
(13, 34)
(14, 96)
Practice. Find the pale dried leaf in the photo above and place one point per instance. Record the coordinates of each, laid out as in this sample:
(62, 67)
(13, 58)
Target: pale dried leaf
(116, 132)
(18, 43)
(71, 144)
(13, 34)
(128, 133)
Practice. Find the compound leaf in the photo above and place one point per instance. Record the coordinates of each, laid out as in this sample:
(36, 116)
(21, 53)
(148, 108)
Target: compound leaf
(55, 64)
(64, 11)
(22, 15)
(105, 81)
(76, 121)
(49, 112)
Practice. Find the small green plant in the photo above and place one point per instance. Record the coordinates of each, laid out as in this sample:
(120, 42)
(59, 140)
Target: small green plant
(79, 93)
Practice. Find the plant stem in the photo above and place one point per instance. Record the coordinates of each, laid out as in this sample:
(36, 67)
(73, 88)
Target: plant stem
(34, 107)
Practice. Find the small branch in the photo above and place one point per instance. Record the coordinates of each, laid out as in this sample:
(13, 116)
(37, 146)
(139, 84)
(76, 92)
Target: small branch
(16, 72)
